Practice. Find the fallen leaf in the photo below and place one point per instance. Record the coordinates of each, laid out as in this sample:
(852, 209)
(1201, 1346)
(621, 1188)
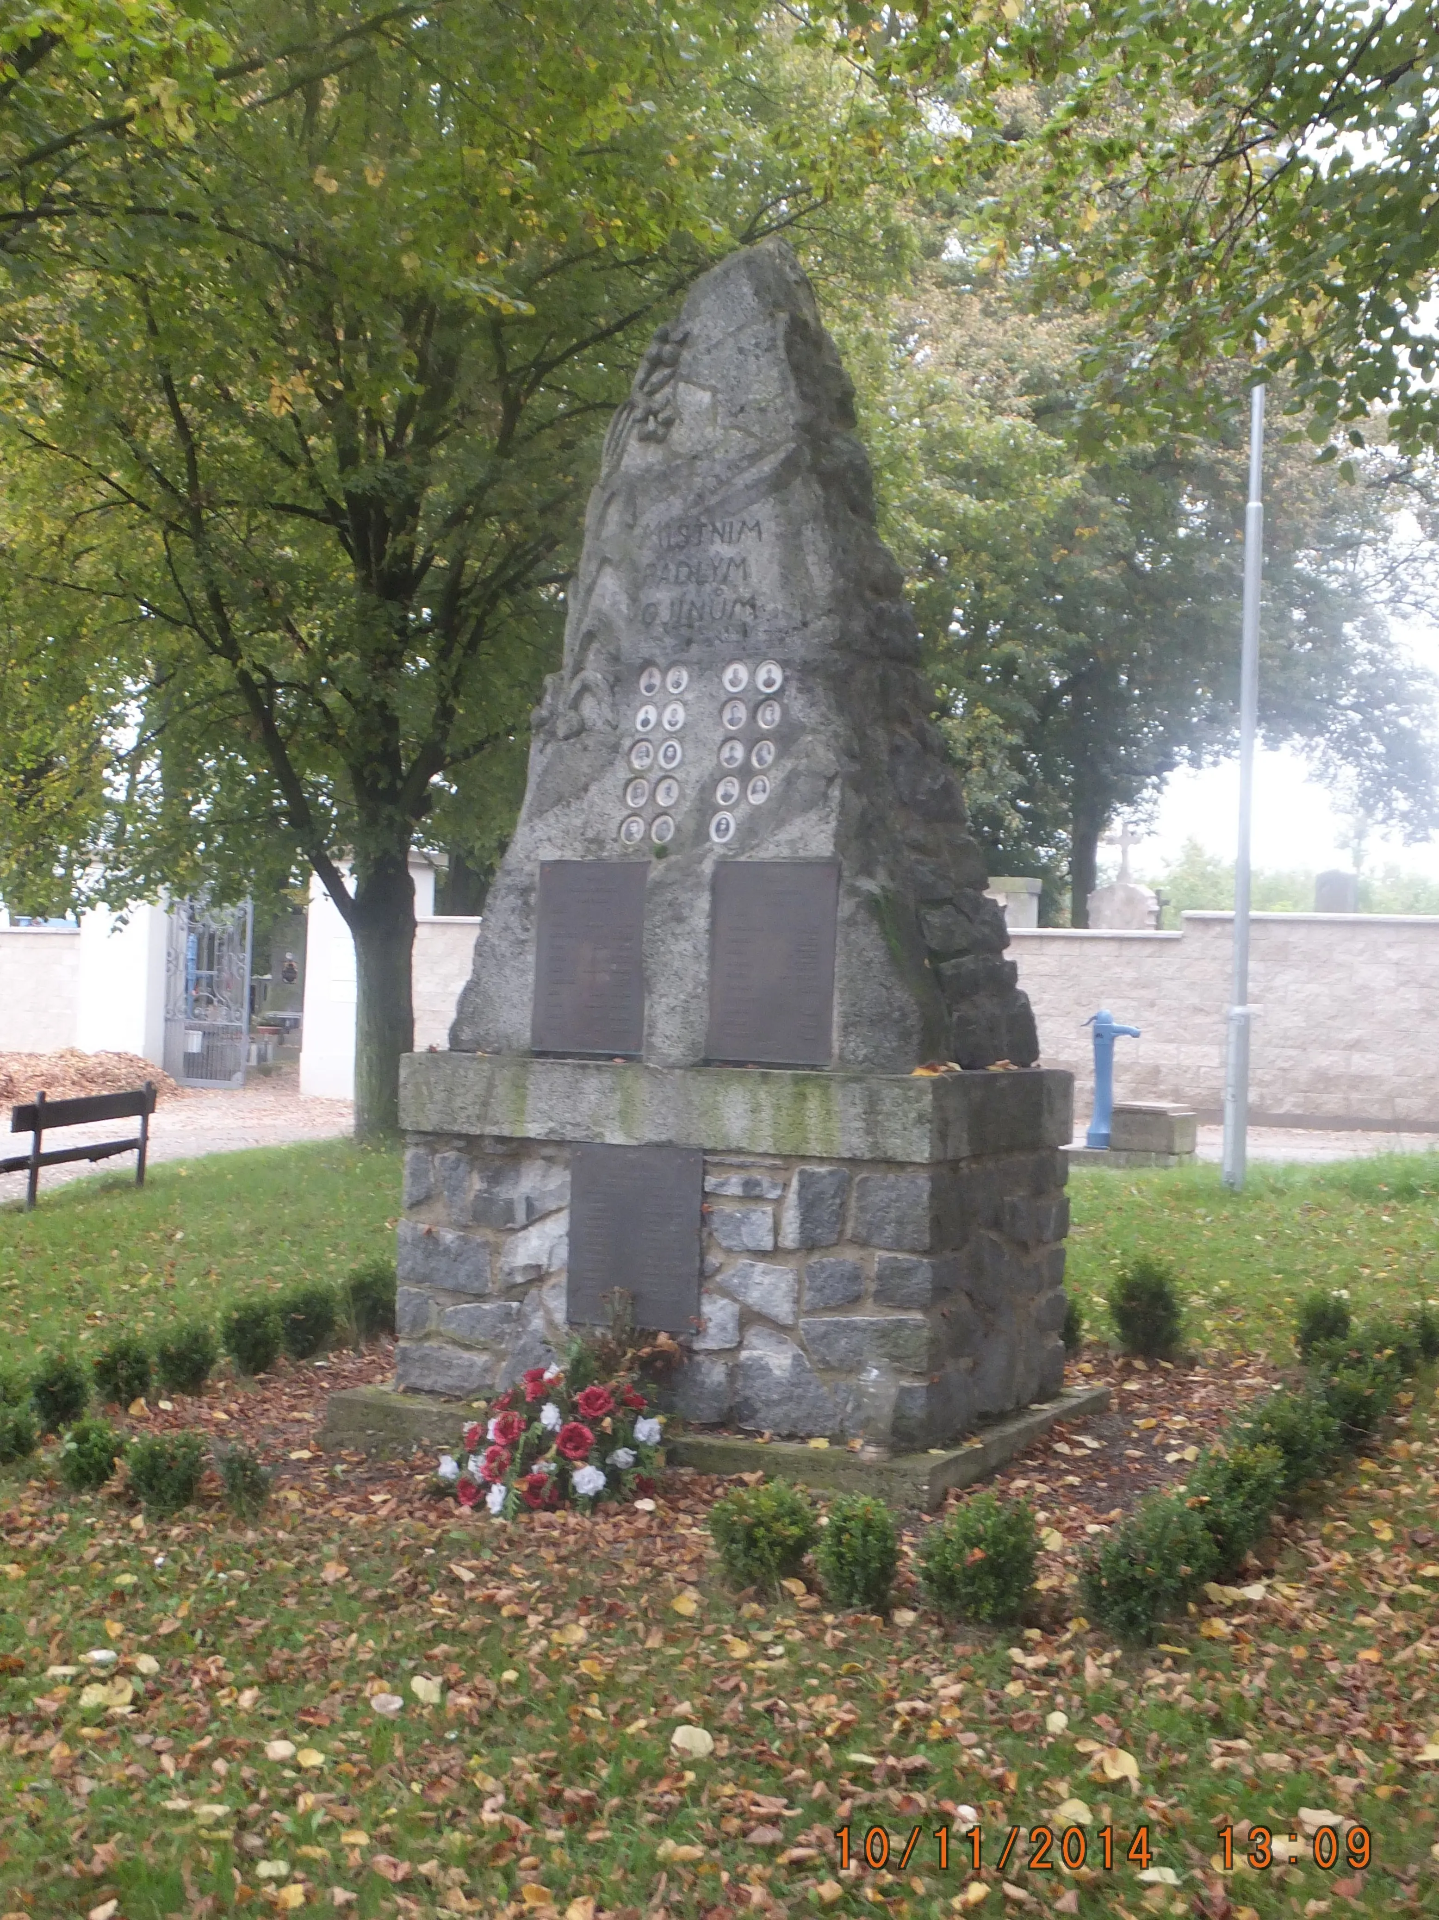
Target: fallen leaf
(1159, 1877)
(796, 1587)
(581, 1909)
(1051, 1539)
(279, 1749)
(387, 1703)
(1056, 1722)
(669, 1850)
(354, 1837)
(291, 1896)
(1116, 1764)
(1070, 1813)
(425, 1690)
(333, 1570)
(310, 1757)
(827, 1892)
(693, 1740)
(106, 1910)
(904, 1616)
(535, 1896)
(763, 1837)
(973, 1894)
(686, 1604)
(389, 1868)
(572, 1635)
(146, 1663)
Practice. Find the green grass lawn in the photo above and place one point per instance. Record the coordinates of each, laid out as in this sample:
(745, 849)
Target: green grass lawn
(1243, 1260)
(99, 1256)
(231, 1760)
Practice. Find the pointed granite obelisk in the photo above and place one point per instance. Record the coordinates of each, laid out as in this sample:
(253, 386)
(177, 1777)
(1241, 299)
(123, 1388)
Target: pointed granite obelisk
(742, 684)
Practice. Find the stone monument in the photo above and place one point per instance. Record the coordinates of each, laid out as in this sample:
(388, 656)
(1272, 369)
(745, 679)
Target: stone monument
(1123, 905)
(740, 908)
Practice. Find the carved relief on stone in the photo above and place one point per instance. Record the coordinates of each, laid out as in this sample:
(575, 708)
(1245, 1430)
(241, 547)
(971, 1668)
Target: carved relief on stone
(649, 412)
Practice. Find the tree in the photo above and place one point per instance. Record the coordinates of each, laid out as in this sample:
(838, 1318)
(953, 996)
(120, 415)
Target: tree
(299, 424)
(1204, 174)
(1080, 606)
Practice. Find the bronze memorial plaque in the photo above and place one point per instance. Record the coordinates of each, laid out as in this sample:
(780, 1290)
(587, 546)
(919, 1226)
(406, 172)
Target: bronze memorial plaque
(772, 936)
(635, 1224)
(589, 969)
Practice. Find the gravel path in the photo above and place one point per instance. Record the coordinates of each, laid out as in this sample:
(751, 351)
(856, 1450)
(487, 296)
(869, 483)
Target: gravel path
(267, 1113)
(1310, 1144)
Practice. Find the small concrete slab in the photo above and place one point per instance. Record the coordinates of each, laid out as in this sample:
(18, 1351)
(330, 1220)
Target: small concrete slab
(382, 1420)
(1082, 1156)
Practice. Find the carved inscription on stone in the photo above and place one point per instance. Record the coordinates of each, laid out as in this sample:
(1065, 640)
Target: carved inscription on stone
(589, 974)
(635, 1224)
(772, 942)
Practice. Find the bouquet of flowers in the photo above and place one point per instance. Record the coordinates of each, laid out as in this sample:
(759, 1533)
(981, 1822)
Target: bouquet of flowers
(542, 1446)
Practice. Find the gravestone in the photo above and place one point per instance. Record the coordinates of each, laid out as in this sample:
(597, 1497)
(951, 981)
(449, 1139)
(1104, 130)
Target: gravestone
(740, 907)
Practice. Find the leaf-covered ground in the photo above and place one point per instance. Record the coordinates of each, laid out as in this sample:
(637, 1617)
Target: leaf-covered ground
(373, 1701)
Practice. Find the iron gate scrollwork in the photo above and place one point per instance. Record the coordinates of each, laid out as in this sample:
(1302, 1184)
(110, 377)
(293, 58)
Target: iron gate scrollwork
(207, 994)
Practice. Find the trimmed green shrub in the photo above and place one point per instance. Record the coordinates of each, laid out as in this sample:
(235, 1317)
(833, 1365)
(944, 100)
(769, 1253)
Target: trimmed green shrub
(253, 1336)
(308, 1317)
(763, 1533)
(14, 1388)
(1235, 1494)
(185, 1359)
(165, 1470)
(1073, 1331)
(978, 1564)
(370, 1300)
(1145, 1307)
(60, 1388)
(1148, 1567)
(1322, 1317)
(1423, 1327)
(122, 1370)
(1358, 1383)
(88, 1454)
(18, 1435)
(246, 1482)
(1302, 1430)
(857, 1554)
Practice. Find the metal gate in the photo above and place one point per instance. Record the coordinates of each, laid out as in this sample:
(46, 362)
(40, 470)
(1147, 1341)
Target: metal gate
(207, 994)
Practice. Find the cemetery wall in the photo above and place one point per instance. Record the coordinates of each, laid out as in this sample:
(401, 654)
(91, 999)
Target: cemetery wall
(39, 988)
(1347, 1007)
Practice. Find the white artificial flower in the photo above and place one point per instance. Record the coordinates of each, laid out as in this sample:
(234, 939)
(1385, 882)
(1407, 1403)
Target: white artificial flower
(495, 1499)
(449, 1467)
(490, 1431)
(551, 1417)
(588, 1480)
(623, 1458)
(553, 1373)
(647, 1431)
(543, 1466)
(475, 1468)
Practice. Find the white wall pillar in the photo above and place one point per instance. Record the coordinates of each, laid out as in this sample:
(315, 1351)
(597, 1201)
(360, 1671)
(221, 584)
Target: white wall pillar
(327, 1035)
(121, 987)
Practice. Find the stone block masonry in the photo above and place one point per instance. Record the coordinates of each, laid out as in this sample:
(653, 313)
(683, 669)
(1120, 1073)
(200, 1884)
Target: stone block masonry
(843, 1294)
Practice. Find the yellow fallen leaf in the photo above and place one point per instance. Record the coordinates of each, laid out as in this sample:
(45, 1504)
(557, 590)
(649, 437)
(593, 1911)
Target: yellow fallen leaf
(593, 1669)
(827, 1892)
(425, 1690)
(796, 1587)
(1146, 1424)
(1215, 1629)
(279, 1749)
(972, 1896)
(686, 1604)
(1072, 1813)
(1056, 1722)
(1052, 1540)
(534, 1896)
(572, 1635)
(333, 1570)
(1431, 1572)
(1381, 1529)
(670, 1850)
(1116, 1764)
(208, 1815)
(693, 1740)
(114, 1629)
(291, 1896)
(310, 1757)
(354, 1837)
(137, 1409)
(904, 1616)
(736, 1649)
(146, 1663)
(462, 1574)
(581, 1909)
(819, 1445)
(1371, 1654)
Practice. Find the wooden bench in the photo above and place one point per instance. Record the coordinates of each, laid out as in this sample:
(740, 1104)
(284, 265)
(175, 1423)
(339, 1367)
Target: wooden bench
(42, 1116)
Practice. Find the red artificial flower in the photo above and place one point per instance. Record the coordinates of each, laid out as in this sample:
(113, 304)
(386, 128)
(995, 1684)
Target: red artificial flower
(595, 1402)
(467, 1491)
(474, 1434)
(644, 1486)
(634, 1401)
(496, 1463)
(534, 1379)
(508, 1428)
(506, 1400)
(533, 1487)
(574, 1441)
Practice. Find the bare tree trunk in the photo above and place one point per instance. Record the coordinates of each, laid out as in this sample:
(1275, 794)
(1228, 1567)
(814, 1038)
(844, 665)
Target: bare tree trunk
(383, 929)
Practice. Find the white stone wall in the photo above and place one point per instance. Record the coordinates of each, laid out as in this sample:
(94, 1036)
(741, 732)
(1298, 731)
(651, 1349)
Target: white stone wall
(39, 988)
(1347, 1031)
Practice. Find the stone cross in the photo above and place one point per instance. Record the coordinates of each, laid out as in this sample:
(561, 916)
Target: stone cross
(1124, 840)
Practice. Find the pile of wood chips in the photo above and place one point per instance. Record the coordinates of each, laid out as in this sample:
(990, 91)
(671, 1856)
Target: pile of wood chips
(71, 1075)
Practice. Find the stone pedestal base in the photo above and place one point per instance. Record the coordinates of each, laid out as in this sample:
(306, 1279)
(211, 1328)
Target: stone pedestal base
(881, 1255)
